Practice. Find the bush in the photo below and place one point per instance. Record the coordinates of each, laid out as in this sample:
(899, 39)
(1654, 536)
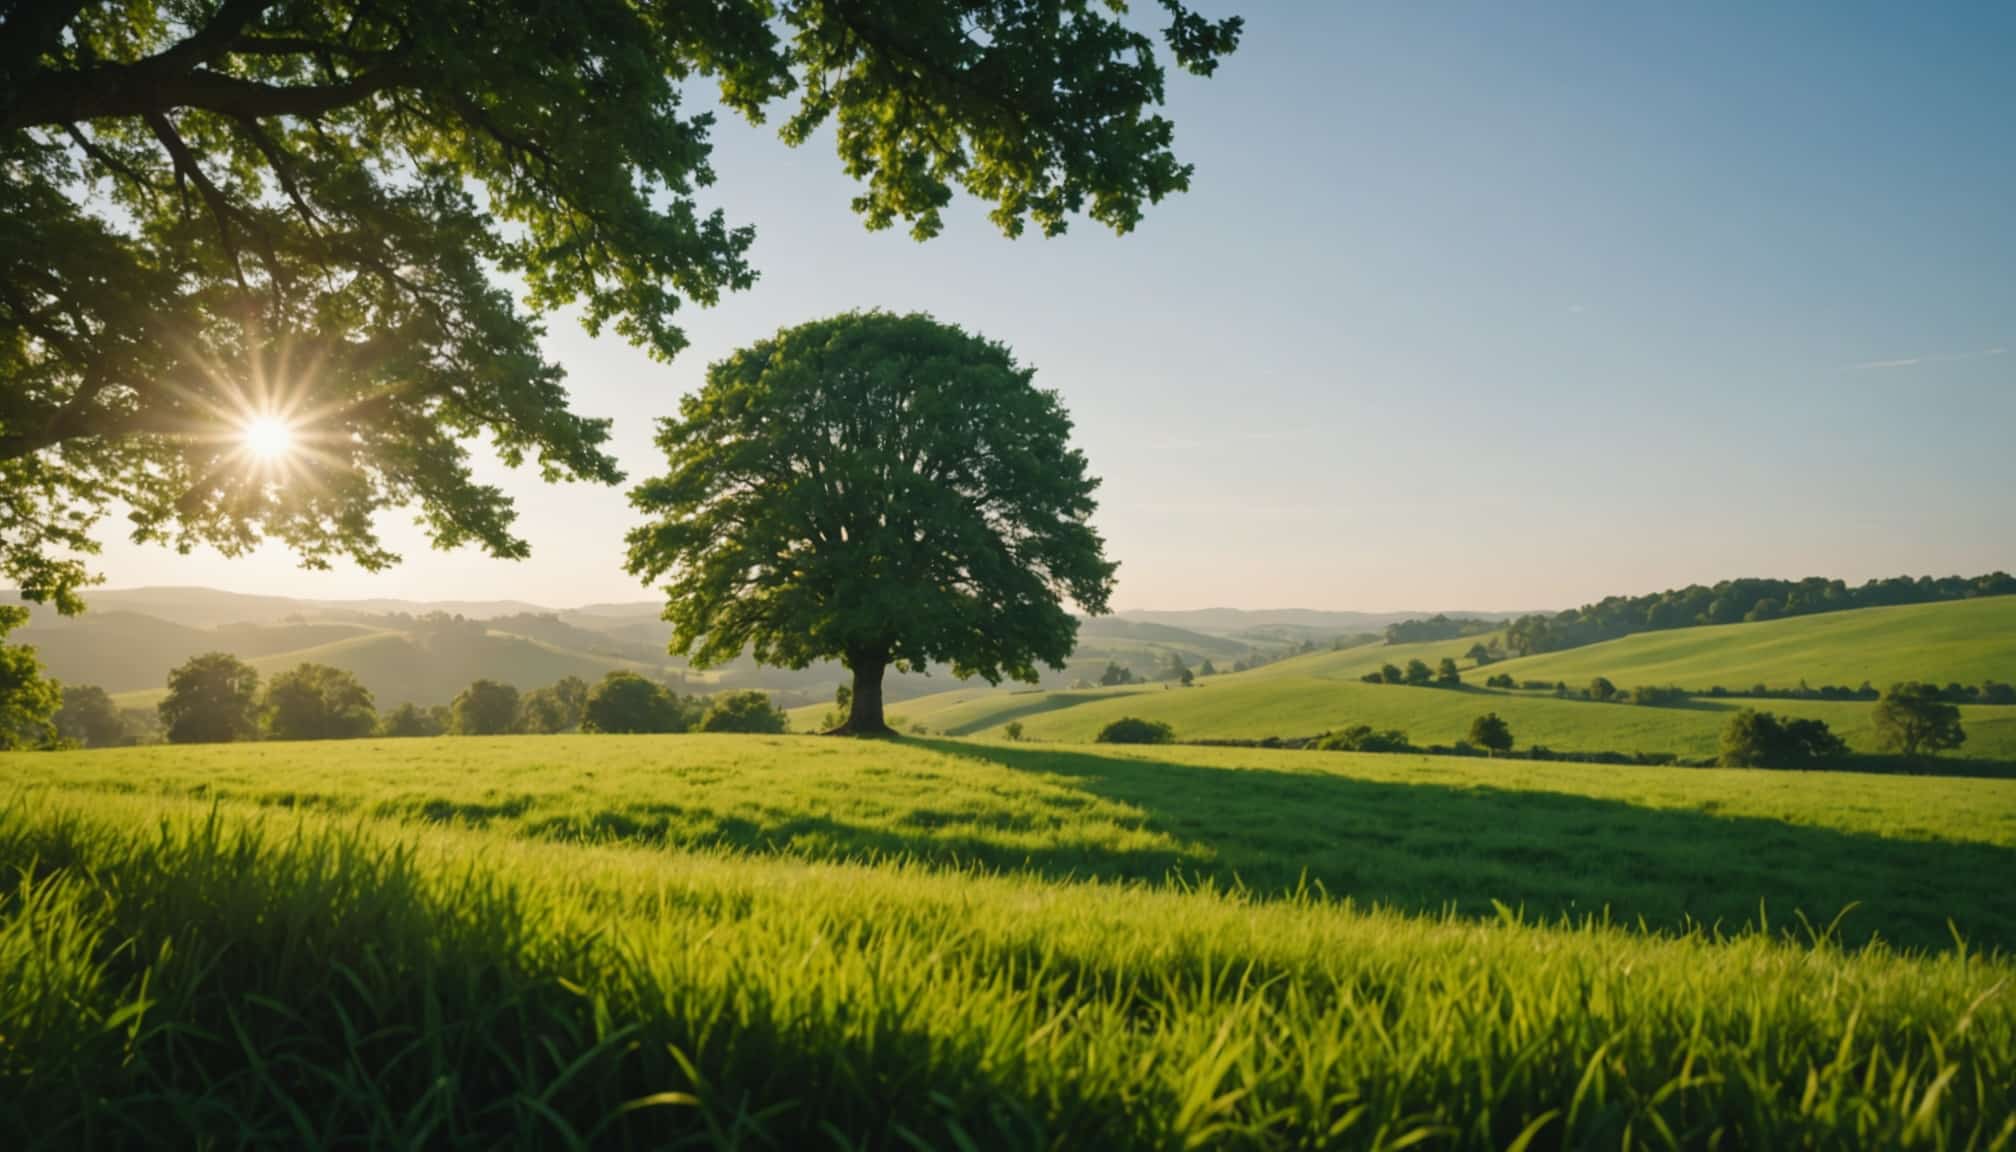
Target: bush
(747, 711)
(1668, 696)
(1013, 730)
(412, 720)
(1418, 673)
(485, 708)
(1130, 730)
(1912, 720)
(1754, 739)
(1491, 733)
(318, 702)
(1363, 738)
(627, 702)
(1602, 689)
(1391, 674)
(1501, 680)
(1994, 692)
(1447, 675)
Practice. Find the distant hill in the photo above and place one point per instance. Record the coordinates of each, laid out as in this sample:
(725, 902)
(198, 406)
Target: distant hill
(1290, 621)
(1966, 641)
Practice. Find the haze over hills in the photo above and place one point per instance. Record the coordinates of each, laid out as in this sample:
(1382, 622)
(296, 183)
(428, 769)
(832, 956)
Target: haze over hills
(424, 652)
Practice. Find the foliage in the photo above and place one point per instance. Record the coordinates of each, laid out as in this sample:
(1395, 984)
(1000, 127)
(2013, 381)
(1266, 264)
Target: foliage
(1602, 689)
(89, 719)
(1114, 675)
(1912, 720)
(1436, 627)
(1363, 738)
(1447, 675)
(408, 720)
(317, 702)
(1130, 730)
(1418, 673)
(28, 700)
(879, 489)
(1754, 739)
(1734, 601)
(743, 712)
(558, 707)
(1491, 733)
(1658, 696)
(627, 702)
(212, 699)
(1012, 730)
(215, 213)
(1500, 680)
(485, 708)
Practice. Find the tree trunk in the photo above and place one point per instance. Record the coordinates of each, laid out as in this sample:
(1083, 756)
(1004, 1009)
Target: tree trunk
(864, 714)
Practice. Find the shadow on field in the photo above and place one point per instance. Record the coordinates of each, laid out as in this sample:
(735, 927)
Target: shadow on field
(1037, 705)
(1427, 847)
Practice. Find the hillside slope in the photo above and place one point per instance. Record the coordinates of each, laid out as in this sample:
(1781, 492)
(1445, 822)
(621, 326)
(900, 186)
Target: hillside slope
(1964, 640)
(1323, 692)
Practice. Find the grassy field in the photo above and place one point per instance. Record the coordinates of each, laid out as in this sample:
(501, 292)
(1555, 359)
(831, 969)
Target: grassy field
(1968, 641)
(790, 942)
(1323, 691)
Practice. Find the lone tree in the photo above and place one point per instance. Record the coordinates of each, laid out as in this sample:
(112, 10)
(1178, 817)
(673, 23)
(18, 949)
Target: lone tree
(246, 245)
(1491, 733)
(884, 490)
(89, 719)
(212, 699)
(627, 702)
(1911, 719)
(318, 702)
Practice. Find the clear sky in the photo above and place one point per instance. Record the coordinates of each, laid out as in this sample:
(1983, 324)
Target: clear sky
(1470, 306)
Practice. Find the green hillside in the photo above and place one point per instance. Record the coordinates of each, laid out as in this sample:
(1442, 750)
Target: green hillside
(1322, 692)
(740, 941)
(1968, 641)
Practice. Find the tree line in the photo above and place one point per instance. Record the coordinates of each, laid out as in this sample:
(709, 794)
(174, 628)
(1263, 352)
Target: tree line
(217, 698)
(1735, 602)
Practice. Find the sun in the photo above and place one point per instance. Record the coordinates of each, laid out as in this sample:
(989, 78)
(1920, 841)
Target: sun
(269, 437)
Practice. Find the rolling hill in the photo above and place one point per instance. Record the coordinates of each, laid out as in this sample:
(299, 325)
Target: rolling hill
(1305, 695)
(1963, 640)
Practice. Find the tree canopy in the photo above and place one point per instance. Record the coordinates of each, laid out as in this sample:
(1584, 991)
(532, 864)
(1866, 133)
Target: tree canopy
(318, 702)
(1913, 720)
(247, 246)
(212, 699)
(881, 489)
(485, 708)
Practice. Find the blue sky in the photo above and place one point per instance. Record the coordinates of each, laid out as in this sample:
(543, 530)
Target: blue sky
(1468, 306)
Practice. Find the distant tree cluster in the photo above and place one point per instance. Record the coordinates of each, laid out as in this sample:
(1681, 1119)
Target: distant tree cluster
(1363, 738)
(1437, 627)
(1133, 730)
(217, 698)
(1418, 674)
(1115, 675)
(1735, 601)
(1754, 739)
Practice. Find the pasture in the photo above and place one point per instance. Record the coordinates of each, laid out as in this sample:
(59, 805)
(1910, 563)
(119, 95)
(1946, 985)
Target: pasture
(747, 942)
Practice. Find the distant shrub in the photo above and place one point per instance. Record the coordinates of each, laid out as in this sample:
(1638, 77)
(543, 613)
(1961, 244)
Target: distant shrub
(1013, 730)
(1754, 739)
(1131, 730)
(1653, 696)
(1501, 680)
(1363, 738)
(1491, 733)
(1911, 721)
(485, 708)
(1447, 675)
(627, 702)
(1538, 685)
(1602, 689)
(1994, 692)
(747, 711)
(412, 720)
(1418, 673)
(1391, 674)
(1374, 678)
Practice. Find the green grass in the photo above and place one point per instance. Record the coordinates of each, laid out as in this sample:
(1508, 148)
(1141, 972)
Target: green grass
(424, 959)
(1972, 640)
(1968, 641)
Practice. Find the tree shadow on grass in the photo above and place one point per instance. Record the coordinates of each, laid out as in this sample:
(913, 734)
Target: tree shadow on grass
(1035, 706)
(1429, 847)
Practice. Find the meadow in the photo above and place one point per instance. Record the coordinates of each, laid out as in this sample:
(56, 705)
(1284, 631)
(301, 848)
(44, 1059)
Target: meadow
(794, 942)
(1323, 691)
